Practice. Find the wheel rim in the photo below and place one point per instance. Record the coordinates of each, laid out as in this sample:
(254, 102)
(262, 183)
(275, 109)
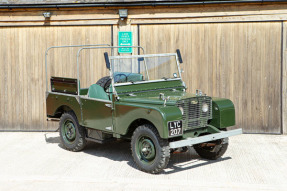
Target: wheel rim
(69, 131)
(145, 149)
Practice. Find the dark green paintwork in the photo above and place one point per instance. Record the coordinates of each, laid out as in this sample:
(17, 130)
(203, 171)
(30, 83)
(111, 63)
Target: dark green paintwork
(149, 86)
(69, 131)
(223, 113)
(96, 114)
(55, 102)
(145, 149)
(141, 101)
(158, 115)
(84, 91)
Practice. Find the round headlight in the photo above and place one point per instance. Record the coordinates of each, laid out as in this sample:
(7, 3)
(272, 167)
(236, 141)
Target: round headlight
(181, 109)
(205, 107)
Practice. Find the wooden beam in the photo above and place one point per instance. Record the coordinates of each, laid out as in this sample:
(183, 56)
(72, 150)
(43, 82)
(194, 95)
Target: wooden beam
(189, 14)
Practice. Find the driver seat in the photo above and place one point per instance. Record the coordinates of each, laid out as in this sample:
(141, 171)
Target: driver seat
(97, 92)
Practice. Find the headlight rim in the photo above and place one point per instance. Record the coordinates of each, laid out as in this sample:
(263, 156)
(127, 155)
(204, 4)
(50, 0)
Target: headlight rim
(181, 109)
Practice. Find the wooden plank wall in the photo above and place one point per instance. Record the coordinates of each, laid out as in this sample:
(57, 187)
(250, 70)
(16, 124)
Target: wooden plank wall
(231, 51)
(239, 61)
(22, 74)
(284, 78)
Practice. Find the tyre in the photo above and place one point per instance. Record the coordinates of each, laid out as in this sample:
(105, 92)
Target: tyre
(149, 151)
(179, 150)
(72, 135)
(104, 82)
(212, 150)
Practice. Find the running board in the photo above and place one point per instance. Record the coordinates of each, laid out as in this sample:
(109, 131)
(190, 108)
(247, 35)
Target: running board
(100, 141)
(98, 136)
(205, 138)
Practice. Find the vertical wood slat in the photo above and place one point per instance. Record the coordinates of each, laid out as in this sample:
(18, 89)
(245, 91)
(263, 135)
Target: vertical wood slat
(22, 74)
(239, 61)
(284, 77)
(250, 48)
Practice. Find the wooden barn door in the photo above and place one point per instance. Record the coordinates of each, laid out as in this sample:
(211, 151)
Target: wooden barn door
(22, 73)
(238, 61)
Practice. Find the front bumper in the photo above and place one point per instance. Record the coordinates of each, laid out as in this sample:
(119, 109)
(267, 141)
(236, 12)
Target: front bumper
(205, 138)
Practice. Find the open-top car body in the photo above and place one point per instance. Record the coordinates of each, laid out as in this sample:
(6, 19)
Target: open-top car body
(143, 100)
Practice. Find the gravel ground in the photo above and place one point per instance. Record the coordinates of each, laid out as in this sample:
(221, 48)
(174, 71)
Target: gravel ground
(37, 161)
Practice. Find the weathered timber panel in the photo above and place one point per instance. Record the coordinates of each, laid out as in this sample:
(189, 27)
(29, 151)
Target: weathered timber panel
(239, 61)
(22, 74)
(284, 78)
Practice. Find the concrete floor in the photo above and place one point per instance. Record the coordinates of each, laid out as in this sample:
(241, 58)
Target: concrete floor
(36, 161)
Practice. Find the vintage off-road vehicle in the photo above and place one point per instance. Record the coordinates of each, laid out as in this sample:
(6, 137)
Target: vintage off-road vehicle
(143, 100)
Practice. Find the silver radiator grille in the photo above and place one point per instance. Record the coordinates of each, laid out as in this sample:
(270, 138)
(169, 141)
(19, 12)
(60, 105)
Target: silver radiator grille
(193, 116)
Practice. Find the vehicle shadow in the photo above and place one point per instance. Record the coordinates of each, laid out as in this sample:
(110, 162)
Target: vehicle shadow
(120, 151)
(188, 160)
(173, 168)
(49, 138)
(116, 151)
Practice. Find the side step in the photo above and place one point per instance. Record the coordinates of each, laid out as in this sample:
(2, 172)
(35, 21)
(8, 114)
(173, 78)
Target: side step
(100, 141)
(98, 136)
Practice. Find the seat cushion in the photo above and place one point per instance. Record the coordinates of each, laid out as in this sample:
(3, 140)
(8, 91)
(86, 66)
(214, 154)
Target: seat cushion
(96, 91)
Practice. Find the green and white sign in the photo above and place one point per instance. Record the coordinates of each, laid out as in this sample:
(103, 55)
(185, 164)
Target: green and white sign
(125, 39)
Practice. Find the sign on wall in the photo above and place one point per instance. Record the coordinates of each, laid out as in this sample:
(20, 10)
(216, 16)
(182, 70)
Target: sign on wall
(125, 39)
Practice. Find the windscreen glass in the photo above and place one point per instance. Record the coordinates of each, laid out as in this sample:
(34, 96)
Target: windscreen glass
(147, 68)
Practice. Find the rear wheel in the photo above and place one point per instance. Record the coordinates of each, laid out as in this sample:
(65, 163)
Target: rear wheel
(212, 150)
(150, 152)
(72, 135)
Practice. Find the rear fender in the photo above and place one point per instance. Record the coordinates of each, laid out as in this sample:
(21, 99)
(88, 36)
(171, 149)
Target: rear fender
(56, 103)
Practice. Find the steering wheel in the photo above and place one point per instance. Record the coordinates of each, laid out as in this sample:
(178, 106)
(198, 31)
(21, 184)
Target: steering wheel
(119, 77)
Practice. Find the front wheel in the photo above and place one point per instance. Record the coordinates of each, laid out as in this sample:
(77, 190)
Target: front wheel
(150, 152)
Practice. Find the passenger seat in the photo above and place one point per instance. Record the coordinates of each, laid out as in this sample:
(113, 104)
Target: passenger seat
(97, 92)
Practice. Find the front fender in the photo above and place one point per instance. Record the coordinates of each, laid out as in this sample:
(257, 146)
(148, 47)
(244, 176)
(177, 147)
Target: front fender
(158, 115)
(223, 113)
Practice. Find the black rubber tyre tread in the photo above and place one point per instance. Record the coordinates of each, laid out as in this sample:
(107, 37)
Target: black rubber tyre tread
(211, 155)
(80, 141)
(104, 82)
(161, 145)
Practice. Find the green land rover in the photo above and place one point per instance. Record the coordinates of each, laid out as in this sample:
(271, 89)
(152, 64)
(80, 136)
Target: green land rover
(143, 100)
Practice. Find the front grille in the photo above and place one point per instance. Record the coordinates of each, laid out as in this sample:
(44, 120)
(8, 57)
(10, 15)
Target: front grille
(193, 115)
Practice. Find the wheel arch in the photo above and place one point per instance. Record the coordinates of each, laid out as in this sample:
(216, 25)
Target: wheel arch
(62, 109)
(66, 108)
(128, 113)
(136, 123)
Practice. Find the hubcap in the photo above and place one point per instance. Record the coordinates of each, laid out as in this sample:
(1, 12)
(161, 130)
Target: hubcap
(69, 131)
(146, 149)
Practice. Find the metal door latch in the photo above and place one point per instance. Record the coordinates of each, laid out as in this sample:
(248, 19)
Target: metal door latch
(108, 105)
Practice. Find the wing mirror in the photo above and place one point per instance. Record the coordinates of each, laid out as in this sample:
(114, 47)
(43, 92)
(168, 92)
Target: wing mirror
(179, 56)
(140, 59)
(108, 65)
